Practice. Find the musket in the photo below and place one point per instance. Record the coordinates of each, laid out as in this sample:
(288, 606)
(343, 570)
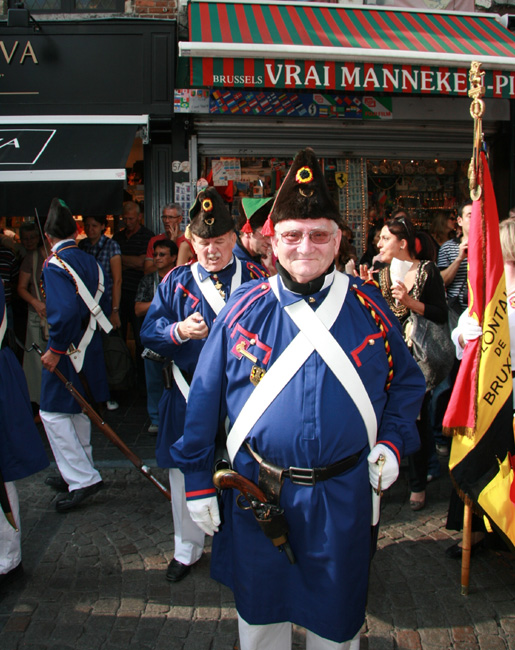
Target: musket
(107, 431)
(270, 517)
(6, 506)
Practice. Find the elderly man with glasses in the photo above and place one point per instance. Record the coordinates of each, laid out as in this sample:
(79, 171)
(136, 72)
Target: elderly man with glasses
(171, 217)
(308, 374)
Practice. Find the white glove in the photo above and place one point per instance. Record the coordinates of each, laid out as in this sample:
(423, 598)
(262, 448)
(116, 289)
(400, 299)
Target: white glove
(466, 330)
(390, 467)
(470, 329)
(205, 514)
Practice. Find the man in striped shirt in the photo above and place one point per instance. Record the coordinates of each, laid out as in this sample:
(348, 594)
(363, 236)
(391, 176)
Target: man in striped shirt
(452, 258)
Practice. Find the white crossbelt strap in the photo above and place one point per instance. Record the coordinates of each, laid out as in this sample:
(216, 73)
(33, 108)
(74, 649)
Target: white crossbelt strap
(77, 355)
(3, 325)
(216, 302)
(209, 291)
(182, 384)
(294, 357)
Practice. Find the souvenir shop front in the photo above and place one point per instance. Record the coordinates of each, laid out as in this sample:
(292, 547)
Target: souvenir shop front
(380, 94)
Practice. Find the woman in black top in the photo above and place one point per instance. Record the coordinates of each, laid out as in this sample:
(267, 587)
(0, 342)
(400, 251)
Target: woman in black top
(422, 291)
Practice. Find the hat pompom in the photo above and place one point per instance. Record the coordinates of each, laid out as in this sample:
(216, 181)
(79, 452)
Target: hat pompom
(247, 228)
(268, 228)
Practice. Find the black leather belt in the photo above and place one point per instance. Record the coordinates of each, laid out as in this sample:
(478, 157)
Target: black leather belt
(270, 473)
(306, 476)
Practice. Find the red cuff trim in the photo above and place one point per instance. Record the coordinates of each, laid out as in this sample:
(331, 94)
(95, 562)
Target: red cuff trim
(57, 351)
(392, 447)
(174, 340)
(200, 493)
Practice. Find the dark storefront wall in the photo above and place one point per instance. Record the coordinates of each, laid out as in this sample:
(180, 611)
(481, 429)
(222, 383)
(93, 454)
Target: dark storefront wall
(70, 70)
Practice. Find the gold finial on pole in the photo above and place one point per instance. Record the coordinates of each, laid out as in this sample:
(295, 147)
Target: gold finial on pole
(477, 108)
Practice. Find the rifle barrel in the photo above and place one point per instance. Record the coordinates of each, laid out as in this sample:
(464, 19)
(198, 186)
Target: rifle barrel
(108, 432)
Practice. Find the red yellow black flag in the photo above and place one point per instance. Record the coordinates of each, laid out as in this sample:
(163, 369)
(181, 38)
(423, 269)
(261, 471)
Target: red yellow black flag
(480, 412)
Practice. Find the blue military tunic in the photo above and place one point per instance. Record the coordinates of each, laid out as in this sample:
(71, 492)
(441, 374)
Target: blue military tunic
(177, 297)
(255, 269)
(21, 449)
(312, 423)
(68, 316)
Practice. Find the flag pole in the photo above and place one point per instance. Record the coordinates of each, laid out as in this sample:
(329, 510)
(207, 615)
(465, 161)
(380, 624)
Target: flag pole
(466, 549)
(477, 108)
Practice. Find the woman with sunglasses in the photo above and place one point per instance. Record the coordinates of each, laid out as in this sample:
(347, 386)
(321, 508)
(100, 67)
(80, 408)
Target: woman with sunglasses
(442, 227)
(421, 291)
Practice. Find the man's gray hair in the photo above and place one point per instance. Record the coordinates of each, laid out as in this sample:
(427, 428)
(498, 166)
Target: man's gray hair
(131, 206)
(172, 206)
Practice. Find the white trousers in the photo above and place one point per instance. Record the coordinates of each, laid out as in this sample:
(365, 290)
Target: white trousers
(10, 540)
(277, 636)
(69, 435)
(189, 539)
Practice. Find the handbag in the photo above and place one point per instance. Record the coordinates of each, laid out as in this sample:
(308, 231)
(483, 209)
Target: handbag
(120, 367)
(431, 347)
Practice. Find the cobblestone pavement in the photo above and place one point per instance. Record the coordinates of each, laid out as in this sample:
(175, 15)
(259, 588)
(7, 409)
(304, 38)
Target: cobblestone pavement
(94, 577)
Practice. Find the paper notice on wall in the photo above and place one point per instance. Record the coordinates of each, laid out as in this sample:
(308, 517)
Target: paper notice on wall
(183, 196)
(225, 170)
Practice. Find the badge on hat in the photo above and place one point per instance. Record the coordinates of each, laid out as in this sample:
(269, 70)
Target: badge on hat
(303, 194)
(209, 216)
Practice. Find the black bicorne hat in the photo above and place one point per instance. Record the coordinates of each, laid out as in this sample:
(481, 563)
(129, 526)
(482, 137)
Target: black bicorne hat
(209, 216)
(303, 194)
(60, 222)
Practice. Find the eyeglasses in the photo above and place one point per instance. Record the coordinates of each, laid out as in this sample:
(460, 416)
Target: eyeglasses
(293, 237)
(166, 217)
(160, 254)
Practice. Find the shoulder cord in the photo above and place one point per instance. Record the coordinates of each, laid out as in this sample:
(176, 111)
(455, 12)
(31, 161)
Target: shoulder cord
(379, 322)
(67, 271)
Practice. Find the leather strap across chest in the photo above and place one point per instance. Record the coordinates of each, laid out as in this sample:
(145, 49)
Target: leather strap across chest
(314, 335)
(216, 302)
(210, 293)
(97, 316)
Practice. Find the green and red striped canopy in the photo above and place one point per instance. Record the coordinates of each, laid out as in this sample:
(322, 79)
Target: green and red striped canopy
(242, 43)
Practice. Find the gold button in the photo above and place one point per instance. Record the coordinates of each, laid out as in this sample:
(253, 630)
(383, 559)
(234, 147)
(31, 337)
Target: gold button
(311, 299)
(252, 341)
(371, 342)
(263, 286)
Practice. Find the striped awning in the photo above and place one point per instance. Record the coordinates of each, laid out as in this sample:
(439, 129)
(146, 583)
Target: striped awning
(295, 45)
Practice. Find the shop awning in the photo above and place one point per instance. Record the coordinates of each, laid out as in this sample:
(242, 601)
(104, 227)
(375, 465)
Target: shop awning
(248, 44)
(80, 159)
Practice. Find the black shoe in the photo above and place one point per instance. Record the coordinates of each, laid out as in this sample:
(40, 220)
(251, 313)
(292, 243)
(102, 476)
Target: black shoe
(177, 571)
(454, 551)
(73, 498)
(57, 482)
(10, 576)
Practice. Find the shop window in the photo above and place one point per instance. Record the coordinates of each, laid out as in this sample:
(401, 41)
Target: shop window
(71, 6)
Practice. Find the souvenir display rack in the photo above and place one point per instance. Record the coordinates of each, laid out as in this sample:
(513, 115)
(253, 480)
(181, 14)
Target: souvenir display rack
(421, 187)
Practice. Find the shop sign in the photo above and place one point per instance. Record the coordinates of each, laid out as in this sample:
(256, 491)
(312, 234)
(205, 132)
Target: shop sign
(329, 75)
(23, 146)
(377, 109)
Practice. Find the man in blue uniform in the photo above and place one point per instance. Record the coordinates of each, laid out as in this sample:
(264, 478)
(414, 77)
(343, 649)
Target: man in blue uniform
(21, 450)
(252, 247)
(176, 326)
(319, 396)
(73, 284)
